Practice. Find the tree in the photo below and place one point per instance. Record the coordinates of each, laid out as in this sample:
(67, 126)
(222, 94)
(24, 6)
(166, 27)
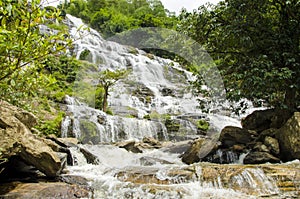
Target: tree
(107, 79)
(25, 40)
(256, 45)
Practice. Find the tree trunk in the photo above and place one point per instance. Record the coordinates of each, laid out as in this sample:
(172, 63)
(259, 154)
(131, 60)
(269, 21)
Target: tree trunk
(104, 103)
(290, 99)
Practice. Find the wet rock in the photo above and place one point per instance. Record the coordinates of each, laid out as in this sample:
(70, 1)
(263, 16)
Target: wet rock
(152, 142)
(261, 120)
(167, 92)
(178, 147)
(269, 132)
(43, 190)
(231, 135)
(259, 146)
(199, 149)
(90, 157)
(260, 158)
(74, 179)
(289, 138)
(17, 140)
(272, 144)
(130, 146)
(192, 154)
(149, 161)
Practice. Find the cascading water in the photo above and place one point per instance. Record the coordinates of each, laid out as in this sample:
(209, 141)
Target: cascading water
(154, 101)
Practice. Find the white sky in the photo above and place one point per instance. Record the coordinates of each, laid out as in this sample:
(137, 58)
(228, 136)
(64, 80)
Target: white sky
(171, 5)
(177, 5)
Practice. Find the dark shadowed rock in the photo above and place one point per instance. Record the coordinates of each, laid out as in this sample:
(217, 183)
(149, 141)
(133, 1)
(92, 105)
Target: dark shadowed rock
(90, 157)
(260, 158)
(199, 149)
(289, 138)
(232, 135)
(130, 146)
(261, 120)
(273, 145)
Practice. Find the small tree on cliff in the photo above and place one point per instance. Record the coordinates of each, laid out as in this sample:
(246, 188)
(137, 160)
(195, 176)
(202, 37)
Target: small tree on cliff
(107, 79)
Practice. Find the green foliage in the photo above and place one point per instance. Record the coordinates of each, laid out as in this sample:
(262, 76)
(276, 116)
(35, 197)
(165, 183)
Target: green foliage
(23, 45)
(115, 16)
(51, 126)
(256, 45)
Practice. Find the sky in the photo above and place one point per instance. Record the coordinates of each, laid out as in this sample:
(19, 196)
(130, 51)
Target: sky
(172, 5)
(190, 5)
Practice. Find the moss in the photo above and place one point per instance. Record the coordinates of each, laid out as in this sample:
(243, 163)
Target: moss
(202, 125)
(89, 132)
(172, 125)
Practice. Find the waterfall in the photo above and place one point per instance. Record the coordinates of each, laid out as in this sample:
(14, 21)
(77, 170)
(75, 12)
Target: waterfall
(156, 88)
(156, 101)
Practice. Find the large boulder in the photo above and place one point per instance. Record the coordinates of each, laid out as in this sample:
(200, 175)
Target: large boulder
(232, 135)
(261, 120)
(289, 138)
(17, 140)
(199, 149)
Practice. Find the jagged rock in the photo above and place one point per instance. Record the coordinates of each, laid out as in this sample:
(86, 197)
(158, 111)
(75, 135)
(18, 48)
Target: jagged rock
(273, 145)
(199, 149)
(232, 135)
(42, 190)
(269, 132)
(261, 120)
(259, 146)
(192, 154)
(260, 158)
(90, 157)
(28, 119)
(74, 179)
(152, 142)
(17, 140)
(131, 146)
(148, 161)
(289, 138)
(178, 147)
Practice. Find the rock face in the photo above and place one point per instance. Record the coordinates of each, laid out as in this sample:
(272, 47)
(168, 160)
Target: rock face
(265, 119)
(289, 138)
(17, 140)
(231, 135)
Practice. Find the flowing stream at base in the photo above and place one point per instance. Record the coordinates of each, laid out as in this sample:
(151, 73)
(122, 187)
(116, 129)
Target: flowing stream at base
(157, 173)
(154, 101)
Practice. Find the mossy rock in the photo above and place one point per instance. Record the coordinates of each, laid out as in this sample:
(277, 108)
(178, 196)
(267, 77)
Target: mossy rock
(89, 132)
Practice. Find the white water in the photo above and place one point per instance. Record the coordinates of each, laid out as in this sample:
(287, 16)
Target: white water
(151, 75)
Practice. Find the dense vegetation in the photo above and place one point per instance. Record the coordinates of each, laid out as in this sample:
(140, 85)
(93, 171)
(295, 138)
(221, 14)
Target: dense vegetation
(115, 16)
(255, 44)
